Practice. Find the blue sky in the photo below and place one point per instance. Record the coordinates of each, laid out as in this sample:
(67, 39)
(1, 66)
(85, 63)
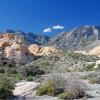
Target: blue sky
(37, 15)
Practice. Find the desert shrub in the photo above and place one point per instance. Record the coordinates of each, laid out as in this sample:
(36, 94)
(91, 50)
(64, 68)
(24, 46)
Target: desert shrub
(44, 90)
(11, 70)
(89, 67)
(2, 70)
(13, 73)
(94, 77)
(98, 68)
(41, 90)
(66, 96)
(6, 87)
(50, 88)
(45, 63)
(92, 81)
(67, 69)
(56, 58)
(29, 78)
(31, 70)
(58, 84)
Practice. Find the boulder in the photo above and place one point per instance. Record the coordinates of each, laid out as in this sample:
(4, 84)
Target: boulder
(25, 88)
(34, 49)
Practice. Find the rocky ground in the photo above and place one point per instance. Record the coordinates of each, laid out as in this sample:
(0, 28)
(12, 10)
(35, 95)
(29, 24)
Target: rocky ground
(27, 90)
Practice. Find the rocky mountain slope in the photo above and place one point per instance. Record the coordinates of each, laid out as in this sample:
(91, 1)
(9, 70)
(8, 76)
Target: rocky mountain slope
(16, 48)
(93, 51)
(81, 38)
(22, 47)
(25, 57)
(30, 38)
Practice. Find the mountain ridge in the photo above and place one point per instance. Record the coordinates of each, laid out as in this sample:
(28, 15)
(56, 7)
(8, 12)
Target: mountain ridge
(30, 38)
(77, 38)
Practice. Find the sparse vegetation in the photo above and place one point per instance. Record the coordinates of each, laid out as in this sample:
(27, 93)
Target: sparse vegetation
(94, 77)
(6, 87)
(62, 87)
(29, 78)
(57, 73)
(92, 81)
(89, 67)
(31, 70)
(66, 96)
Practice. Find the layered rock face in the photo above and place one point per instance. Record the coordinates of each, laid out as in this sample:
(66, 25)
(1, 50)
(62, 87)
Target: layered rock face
(14, 48)
(42, 50)
(25, 89)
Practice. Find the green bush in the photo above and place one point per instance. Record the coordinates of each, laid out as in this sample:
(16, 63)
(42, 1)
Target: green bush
(6, 87)
(89, 67)
(11, 70)
(31, 70)
(49, 89)
(44, 90)
(45, 63)
(98, 68)
(29, 78)
(57, 85)
(66, 96)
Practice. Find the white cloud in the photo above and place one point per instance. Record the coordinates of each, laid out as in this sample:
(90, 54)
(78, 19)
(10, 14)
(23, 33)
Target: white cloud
(58, 27)
(47, 30)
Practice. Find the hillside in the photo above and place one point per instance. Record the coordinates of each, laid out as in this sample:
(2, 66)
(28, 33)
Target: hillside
(28, 60)
(15, 48)
(81, 38)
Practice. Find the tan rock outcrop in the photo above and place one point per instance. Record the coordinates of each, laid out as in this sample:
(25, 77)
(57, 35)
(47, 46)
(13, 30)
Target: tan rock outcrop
(95, 51)
(5, 39)
(14, 48)
(4, 44)
(34, 49)
(45, 50)
(48, 50)
(18, 52)
(7, 36)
